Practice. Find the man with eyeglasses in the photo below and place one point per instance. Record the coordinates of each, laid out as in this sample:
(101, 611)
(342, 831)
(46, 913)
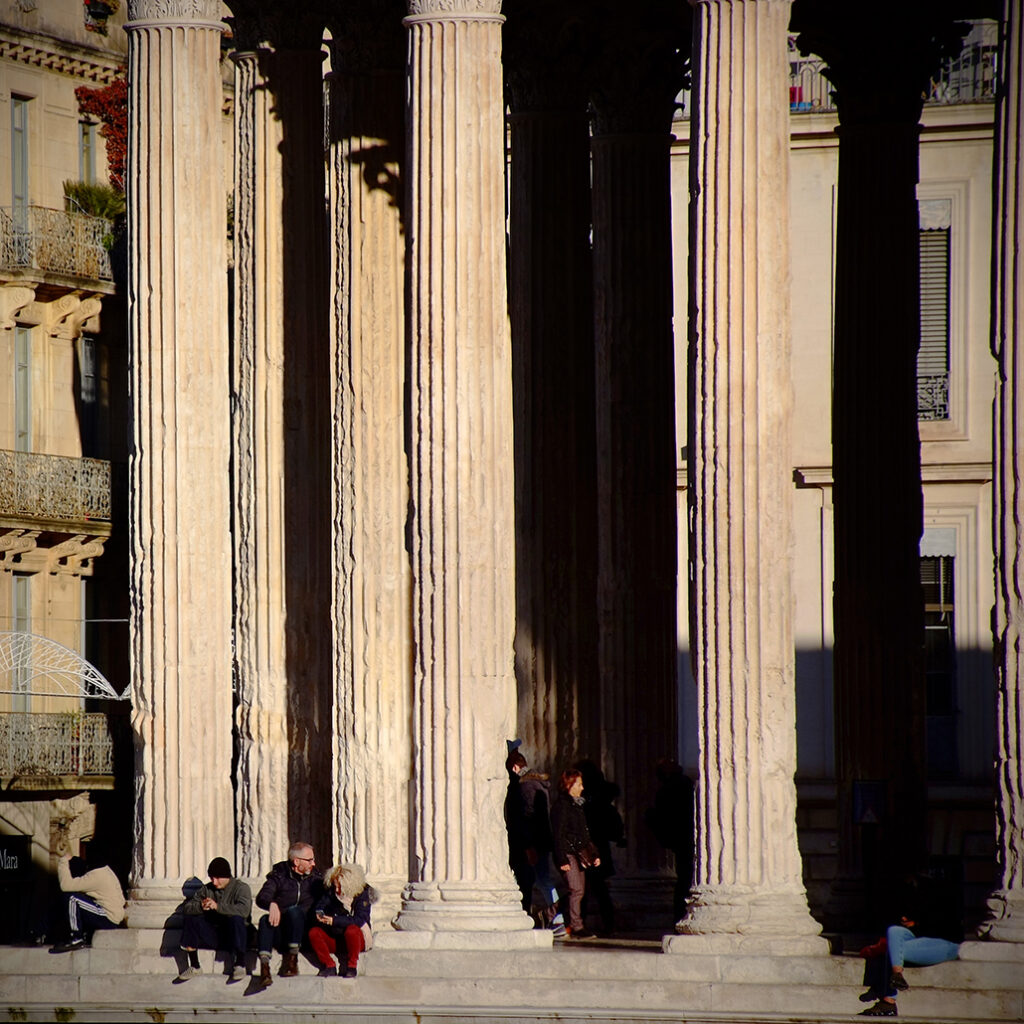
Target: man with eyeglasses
(288, 895)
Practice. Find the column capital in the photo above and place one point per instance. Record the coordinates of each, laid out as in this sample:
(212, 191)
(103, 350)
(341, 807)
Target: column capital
(364, 40)
(647, 53)
(546, 51)
(444, 10)
(840, 34)
(204, 13)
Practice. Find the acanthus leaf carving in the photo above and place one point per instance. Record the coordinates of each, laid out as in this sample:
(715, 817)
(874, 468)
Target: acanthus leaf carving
(174, 10)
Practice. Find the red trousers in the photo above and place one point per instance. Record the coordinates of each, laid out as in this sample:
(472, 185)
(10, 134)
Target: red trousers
(324, 944)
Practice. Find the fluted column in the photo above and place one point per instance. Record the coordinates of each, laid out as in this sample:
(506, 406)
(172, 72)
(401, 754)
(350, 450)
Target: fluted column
(748, 893)
(1007, 902)
(371, 624)
(461, 530)
(257, 412)
(181, 547)
(878, 605)
(550, 278)
(635, 421)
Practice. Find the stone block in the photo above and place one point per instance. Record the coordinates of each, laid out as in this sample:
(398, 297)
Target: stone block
(536, 938)
(734, 944)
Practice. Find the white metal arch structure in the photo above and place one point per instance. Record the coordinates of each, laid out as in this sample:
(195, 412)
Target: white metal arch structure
(30, 659)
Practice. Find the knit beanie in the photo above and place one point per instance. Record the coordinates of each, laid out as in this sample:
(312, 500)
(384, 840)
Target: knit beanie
(219, 868)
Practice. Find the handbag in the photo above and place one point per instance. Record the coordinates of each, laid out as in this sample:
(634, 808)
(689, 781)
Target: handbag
(589, 855)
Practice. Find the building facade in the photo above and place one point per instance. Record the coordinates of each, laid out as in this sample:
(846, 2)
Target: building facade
(416, 476)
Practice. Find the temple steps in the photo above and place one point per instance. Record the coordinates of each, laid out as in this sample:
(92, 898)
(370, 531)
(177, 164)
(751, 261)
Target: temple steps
(124, 976)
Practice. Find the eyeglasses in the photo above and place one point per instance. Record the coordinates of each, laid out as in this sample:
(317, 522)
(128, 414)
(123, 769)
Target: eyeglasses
(311, 860)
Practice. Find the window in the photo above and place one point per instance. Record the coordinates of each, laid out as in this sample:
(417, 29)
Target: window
(87, 393)
(933, 355)
(19, 161)
(87, 152)
(22, 389)
(21, 623)
(940, 664)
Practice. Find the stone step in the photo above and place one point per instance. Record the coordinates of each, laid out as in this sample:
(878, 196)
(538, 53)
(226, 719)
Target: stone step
(121, 953)
(604, 999)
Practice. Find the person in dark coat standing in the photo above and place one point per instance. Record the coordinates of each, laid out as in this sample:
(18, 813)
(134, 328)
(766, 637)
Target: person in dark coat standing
(574, 850)
(529, 835)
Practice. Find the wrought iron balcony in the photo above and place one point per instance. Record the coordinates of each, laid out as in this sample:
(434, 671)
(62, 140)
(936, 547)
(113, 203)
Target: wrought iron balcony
(969, 77)
(54, 487)
(70, 244)
(39, 748)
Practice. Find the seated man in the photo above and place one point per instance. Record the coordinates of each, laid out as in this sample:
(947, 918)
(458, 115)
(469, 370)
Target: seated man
(292, 888)
(216, 916)
(95, 900)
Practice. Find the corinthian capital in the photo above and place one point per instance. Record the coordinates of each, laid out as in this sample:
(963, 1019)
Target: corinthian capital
(456, 8)
(175, 11)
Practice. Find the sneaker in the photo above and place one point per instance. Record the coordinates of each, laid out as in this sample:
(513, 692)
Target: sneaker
(558, 931)
(327, 972)
(238, 972)
(880, 1009)
(347, 972)
(190, 972)
(897, 981)
(68, 947)
(580, 933)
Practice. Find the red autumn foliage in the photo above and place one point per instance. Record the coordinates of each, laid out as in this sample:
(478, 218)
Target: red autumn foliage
(110, 104)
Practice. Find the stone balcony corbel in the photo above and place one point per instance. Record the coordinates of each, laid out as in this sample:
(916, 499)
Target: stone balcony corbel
(13, 298)
(15, 543)
(66, 317)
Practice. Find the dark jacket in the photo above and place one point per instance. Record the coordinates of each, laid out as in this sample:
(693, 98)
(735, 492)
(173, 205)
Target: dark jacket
(287, 889)
(568, 827)
(330, 904)
(526, 814)
(234, 900)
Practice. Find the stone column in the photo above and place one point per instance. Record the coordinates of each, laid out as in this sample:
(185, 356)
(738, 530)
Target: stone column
(878, 606)
(748, 893)
(257, 411)
(461, 530)
(637, 538)
(550, 276)
(280, 409)
(371, 625)
(1007, 902)
(181, 546)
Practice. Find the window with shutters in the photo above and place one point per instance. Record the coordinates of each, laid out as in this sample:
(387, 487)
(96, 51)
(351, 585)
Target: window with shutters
(933, 355)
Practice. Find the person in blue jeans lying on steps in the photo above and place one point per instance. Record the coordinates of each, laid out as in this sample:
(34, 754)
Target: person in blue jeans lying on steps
(883, 973)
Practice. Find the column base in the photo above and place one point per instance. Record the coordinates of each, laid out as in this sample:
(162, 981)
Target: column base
(466, 907)
(739, 918)
(156, 902)
(1005, 922)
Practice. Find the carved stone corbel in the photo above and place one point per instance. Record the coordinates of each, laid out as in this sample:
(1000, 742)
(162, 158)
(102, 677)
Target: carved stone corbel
(14, 544)
(13, 299)
(74, 556)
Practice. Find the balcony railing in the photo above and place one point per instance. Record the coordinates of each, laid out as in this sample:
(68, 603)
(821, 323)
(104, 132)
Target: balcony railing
(54, 487)
(933, 396)
(71, 244)
(37, 745)
(968, 78)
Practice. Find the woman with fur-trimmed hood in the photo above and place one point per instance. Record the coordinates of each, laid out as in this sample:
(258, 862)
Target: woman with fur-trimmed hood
(343, 916)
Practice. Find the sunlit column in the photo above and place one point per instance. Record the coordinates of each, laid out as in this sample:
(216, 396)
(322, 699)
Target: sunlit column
(180, 511)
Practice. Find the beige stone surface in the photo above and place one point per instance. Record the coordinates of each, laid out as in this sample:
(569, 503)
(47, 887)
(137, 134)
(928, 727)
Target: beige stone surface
(181, 548)
(1007, 902)
(461, 533)
(748, 875)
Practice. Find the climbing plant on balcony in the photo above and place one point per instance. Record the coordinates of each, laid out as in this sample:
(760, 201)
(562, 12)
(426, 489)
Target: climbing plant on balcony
(110, 104)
